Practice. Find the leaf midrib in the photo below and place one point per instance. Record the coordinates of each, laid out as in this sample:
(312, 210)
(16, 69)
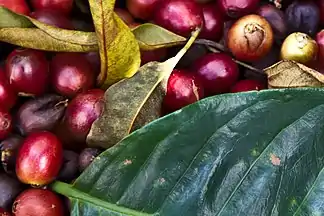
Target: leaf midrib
(71, 192)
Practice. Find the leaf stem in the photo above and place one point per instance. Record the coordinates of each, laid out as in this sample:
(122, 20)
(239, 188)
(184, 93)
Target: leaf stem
(217, 47)
(183, 51)
(71, 192)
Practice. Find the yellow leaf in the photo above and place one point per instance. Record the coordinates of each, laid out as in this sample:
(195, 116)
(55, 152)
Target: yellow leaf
(118, 48)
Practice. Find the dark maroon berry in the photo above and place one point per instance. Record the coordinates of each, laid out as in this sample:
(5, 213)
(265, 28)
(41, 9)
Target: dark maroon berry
(303, 16)
(71, 74)
(87, 156)
(213, 23)
(41, 113)
(153, 55)
(183, 88)
(52, 18)
(124, 15)
(179, 16)
(9, 149)
(141, 9)
(27, 71)
(10, 187)
(237, 8)
(217, 71)
(69, 169)
(276, 19)
(247, 85)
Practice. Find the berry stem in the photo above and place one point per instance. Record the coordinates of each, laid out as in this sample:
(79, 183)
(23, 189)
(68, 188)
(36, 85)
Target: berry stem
(217, 47)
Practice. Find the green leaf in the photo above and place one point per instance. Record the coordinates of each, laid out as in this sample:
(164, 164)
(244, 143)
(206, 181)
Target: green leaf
(118, 48)
(11, 19)
(150, 37)
(30, 33)
(254, 153)
(134, 102)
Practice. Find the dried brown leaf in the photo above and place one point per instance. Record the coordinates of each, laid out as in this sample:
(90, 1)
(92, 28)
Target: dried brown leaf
(133, 102)
(290, 74)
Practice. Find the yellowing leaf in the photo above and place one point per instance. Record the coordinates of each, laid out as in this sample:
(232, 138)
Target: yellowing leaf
(21, 30)
(119, 50)
(290, 74)
(134, 102)
(150, 37)
(37, 39)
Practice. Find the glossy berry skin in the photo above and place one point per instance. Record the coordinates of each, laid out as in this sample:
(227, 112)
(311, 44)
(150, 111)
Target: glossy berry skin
(213, 23)
(183, 88)
(217, 71)
(82, 111)
(179, 16)
(141, 9)
(18, 6)
(39, 159)
(8, 95)
(38, 202)
(5, 124)
(27, 71)
(250, 38)
(237, 8)
(299, 47)
(61, 6)
(52, 18)
(247, 85)
(71, 74)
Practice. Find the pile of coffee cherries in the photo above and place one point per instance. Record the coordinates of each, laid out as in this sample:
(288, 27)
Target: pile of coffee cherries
(48, 101)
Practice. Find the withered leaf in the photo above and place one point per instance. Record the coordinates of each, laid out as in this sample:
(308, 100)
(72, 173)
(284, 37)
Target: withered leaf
(134, 102)
(118, 48)
(290, 74)
(28, 32)
(150, 37)
(35, 38)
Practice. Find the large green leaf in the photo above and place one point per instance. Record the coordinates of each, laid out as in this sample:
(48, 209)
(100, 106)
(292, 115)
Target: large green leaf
(255, 154)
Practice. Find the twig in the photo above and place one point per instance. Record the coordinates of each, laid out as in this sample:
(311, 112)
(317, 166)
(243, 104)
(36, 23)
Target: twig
(217, 47)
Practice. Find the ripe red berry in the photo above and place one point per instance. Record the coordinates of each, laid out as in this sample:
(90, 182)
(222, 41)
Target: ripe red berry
(27, 71)
(183, 88)
(61, 6)
(53, 18)
(141, 9)
(179, 16)
(8, 96)
(39, 158)
(18, 6)
(213, 23)
(71, 74)
(217, 71)
(38, 202)
(247, 85)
